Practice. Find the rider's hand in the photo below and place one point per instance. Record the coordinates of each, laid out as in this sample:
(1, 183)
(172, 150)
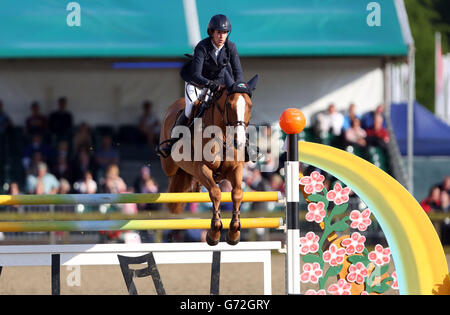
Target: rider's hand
(213, 86)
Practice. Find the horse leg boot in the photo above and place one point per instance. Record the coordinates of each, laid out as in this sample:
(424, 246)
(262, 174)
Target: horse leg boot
(213, 235)
(234, 233)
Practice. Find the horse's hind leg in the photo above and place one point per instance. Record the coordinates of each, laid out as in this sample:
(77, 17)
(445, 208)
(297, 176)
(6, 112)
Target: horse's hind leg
(180, 182)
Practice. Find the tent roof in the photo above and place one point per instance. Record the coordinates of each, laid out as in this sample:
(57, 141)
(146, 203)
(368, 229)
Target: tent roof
(117, 28)
(431, 135)
(309, 27)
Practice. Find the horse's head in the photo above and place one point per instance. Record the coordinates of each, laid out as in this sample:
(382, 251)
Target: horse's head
(238, 106)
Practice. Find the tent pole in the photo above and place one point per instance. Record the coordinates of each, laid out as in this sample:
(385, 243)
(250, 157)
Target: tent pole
(192, 23)
(410, 117)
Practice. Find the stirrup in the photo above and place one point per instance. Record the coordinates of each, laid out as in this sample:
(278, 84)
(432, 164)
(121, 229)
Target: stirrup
(165, 148)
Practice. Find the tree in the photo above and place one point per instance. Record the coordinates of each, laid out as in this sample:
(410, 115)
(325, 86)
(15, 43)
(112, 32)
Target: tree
(427, 17)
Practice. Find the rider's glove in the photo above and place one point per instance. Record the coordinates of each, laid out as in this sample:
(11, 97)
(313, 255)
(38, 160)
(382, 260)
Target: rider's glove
(212, 86)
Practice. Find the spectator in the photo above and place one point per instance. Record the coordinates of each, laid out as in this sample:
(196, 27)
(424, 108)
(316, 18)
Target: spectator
(60, 165)
(445, 186)
(139, 183)
(148, 124)
(276, 183)
(82, 139)
(355, 135)
(113, 183)
(36, 123)
(146, 184)
(329, 121)
(13, 190)
(37, 145)
(433, 202)
(256, 182)
(82, 163)
(378, 135)
(129, 208)
(445, 194)
(106, 155)
(368, 119)
(64, 186)
(351, 114)
(5, 121)
(60, 121)
(43, 183)
(87, 185)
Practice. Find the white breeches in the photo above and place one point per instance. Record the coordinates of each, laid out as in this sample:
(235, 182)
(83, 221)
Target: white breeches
(191, 95)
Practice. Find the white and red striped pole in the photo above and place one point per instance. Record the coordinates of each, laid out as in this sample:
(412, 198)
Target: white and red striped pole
(292, 121)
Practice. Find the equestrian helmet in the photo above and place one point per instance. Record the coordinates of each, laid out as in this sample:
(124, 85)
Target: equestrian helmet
(219, 22)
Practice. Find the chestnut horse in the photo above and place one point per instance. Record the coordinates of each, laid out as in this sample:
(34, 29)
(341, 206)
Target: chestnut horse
(228, 107)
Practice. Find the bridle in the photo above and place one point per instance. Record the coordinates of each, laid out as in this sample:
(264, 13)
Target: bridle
(224, 112)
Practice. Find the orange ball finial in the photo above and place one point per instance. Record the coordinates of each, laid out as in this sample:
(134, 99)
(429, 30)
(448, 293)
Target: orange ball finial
(292, 121)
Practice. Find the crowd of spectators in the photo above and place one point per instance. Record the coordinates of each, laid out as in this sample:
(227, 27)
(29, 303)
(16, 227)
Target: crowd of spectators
(438, 199)
(59, 157)
(349, 128)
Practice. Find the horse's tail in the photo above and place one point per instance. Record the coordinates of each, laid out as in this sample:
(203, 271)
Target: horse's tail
(180, 182)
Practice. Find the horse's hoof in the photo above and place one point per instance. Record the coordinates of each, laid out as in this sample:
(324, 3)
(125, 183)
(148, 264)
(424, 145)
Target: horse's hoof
(210, 241)
(234, 241)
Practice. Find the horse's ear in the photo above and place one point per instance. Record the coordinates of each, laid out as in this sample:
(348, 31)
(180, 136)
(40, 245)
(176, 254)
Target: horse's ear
(228, 80)
(252, 83)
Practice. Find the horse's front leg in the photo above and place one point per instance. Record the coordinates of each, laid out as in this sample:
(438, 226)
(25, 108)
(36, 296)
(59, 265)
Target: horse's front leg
(205, 177)
(234, 233)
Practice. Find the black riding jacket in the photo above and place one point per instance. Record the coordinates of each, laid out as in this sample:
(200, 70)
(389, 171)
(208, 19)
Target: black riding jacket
(204, 66)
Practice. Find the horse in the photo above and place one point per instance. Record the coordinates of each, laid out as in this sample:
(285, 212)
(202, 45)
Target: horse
(229, 107)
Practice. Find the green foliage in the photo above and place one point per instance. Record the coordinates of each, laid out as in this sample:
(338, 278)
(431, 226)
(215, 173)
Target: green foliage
(427, 17)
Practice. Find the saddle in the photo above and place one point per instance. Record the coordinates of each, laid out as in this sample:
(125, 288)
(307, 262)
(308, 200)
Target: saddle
(166, 146)
(252, 153)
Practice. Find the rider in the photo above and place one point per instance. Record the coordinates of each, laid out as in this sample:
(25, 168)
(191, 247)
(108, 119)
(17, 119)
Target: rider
(212, 57)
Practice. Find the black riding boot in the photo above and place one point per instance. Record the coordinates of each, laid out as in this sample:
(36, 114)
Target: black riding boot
(165, 150)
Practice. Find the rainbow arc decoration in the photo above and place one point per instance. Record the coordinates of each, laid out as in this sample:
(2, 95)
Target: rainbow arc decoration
(417, 252)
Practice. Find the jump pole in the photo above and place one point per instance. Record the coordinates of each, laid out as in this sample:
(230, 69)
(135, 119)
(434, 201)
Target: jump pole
(292, 121)
(125, 225)
(97, 199)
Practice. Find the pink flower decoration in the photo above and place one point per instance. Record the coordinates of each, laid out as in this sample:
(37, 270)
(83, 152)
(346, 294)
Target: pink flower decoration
(316, 212)
(338, 195)
(342, 287)
(314, 292)
(313, 183)
(312, 273)
(380, 256)
(309, 243)
(395, 284)
(357, 273)
(360, 220)
(354, 244)
(334, 256)
(364, 293)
